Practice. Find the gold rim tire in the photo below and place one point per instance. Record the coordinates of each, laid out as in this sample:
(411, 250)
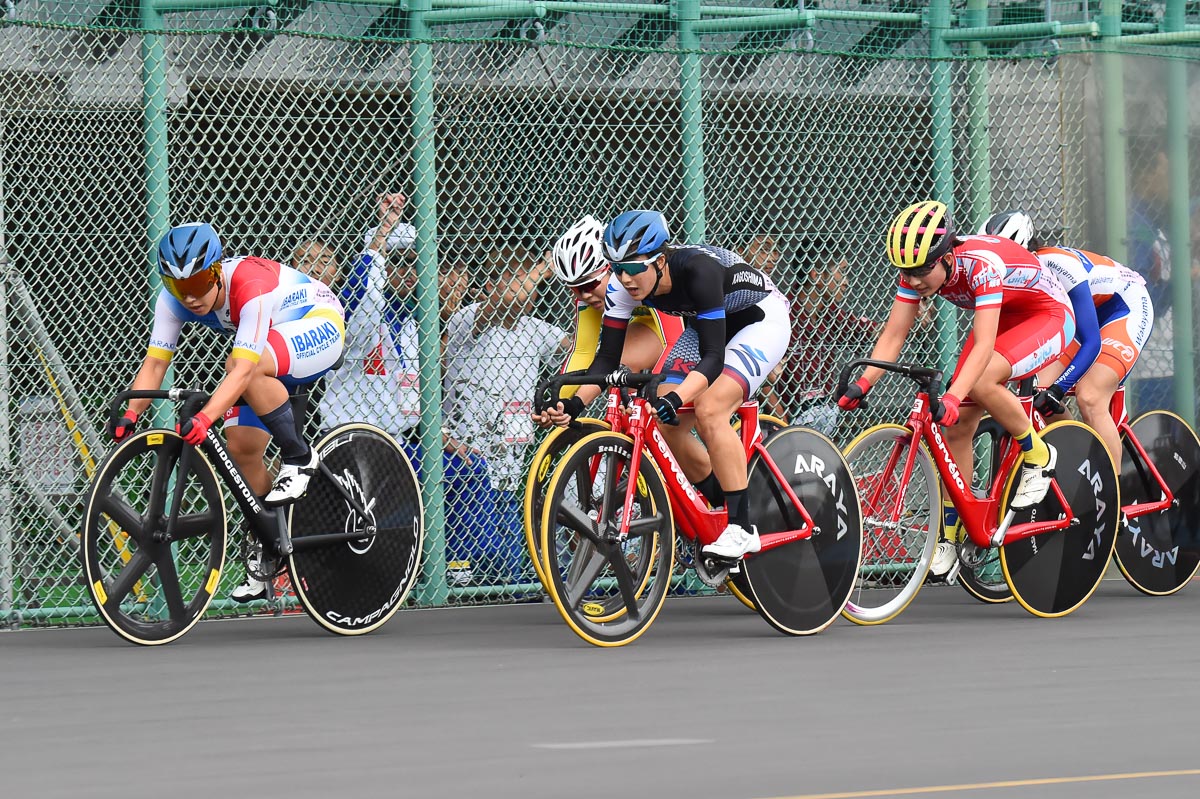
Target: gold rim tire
(541, 467)
(147, 589)
(1053, 574)
(608, 589)
(900, 534)
(741, 590)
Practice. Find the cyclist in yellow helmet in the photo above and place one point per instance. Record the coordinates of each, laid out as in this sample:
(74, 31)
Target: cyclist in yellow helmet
(1022, 321)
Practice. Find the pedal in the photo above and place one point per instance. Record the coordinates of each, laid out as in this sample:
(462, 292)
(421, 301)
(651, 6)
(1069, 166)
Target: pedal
(714, 571)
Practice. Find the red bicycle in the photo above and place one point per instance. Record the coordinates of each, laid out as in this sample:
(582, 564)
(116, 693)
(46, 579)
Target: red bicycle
(1158, 541)
(1052, 555)
(615, 498)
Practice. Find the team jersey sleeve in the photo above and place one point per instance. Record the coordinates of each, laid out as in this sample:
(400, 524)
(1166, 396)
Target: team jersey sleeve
(164, 334)
(906, 293)
(618, 310)
(587, 336)
(986, 279)
(707, 289)
(253, 320)
(1087, 332)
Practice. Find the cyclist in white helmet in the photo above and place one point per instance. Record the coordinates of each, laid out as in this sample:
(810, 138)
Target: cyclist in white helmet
(1113, 320)
(579, 262)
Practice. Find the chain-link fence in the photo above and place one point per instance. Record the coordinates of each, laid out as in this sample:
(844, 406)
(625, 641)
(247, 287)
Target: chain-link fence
(477, 131)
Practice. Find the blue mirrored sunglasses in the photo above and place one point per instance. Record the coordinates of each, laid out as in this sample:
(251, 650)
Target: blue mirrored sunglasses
(632, 267)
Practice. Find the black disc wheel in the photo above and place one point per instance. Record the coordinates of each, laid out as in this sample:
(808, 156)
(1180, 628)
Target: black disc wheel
(1054, 573)
(1159, 552)
(153, 540)
(366, 485)
(547, 456)
(801, 586)
(608, 585)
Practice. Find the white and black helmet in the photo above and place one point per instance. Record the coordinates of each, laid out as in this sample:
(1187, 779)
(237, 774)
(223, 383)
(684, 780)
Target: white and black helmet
(577, 254)
(1015, 225)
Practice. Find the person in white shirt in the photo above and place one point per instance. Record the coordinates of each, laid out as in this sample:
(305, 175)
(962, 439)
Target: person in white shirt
(495, 353)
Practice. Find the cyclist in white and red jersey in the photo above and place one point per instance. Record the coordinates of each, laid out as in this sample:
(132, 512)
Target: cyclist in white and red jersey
(1022, 322)
(1113, 320)
(579, 262)
(287, 329)
(737, 331)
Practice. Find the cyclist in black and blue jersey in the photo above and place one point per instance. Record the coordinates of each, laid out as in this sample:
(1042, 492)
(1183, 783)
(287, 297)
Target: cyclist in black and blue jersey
(737, 330)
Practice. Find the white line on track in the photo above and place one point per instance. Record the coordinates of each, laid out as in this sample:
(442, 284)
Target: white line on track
(628, 743)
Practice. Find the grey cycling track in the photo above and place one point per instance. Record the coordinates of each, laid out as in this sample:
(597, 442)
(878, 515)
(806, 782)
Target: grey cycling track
(506, 702)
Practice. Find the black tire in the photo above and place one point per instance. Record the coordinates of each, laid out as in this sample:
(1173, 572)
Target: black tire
(353, 587)
(1159, 553)
(802, 586)
(986, 581)
(547, 456)
(609, 591)
(150, 590)
(1053, 574)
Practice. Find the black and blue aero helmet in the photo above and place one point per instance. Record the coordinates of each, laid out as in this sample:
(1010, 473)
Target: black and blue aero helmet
(635, 236)
(187, 256)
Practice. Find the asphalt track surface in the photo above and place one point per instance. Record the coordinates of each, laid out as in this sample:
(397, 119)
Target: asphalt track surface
(950, 699)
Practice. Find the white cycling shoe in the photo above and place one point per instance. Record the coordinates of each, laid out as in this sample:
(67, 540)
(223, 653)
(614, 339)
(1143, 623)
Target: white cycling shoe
(734, 542)
(945, 555)
(1034, 483)
(292, 481)
(251, 589)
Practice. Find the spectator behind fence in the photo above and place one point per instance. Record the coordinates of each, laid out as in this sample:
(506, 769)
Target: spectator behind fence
(826, 334)
(316, 259)
(496, 351)
(1150, 256)
(379, 381)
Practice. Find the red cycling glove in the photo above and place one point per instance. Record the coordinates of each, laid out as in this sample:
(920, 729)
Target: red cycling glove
(195, 429)
(123, 427)
(946, 413)
(854, 394)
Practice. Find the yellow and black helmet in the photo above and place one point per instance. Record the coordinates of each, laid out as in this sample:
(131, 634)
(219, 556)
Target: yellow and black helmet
(920, 234)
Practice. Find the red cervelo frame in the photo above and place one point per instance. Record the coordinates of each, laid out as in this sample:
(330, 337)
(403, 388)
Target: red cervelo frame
(1053, 554)
(607, 541)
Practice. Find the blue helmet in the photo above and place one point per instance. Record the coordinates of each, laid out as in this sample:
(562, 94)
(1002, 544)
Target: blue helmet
(188, 249)
(635, 233)
(189, 259)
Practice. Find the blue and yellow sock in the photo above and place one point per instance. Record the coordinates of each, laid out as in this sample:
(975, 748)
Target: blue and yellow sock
(1036, 453)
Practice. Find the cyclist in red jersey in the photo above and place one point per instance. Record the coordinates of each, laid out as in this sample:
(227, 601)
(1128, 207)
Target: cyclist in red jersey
(1022, 321)
(287, 329)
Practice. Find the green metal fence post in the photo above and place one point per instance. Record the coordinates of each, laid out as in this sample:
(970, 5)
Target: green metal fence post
(942, 118)
(1112, 131)
(691, 120)
(154, 151)
(979, 141)
(424, 136)
(1112, 122)
(1179, 214)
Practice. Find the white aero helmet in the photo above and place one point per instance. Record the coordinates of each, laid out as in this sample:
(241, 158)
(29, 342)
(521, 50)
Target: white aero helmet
(577, 253)
(1015, 225)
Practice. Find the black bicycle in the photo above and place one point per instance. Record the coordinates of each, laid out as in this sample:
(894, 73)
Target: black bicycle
(155, 529)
